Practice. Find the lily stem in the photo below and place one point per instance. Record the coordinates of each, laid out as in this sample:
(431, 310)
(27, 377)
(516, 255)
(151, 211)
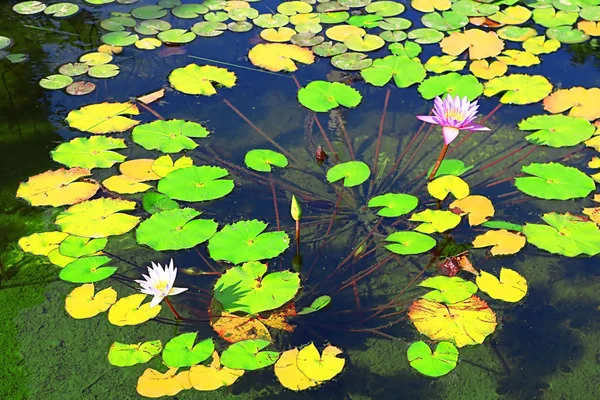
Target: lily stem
(438, 162)
(177, 316)
(298, 236)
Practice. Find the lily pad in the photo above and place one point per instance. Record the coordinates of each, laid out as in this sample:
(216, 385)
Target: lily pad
(170, 136)
(307, 39)
(196, 184)
(279, 57)
(93, 152)
(57, 188)
(441, 64)
(240, 26)
(247, 355)
(181, 352)
(583, 103)
(149, 12)
(351, 61)
(502, 241)
(405, 71)
(87, 270)
(554, 181)
(271, 20)
(479, 208)
(321, 96)
(408, 242)
(320, 367)
(195, 79)
(176, 36)
(436, 364)
(262, 160)
(448, 290)
(567, 35)
(61, 10)
(541, 45)
(154, 202)
(120, 39)
(450, 167)
(130, 310)
(341, 32)
(395, 204)
(484, 70)
(41, 244)
(446, 21)
(117, 24)
(189, 11)
(453, 84)
(364, 43)
(511, 286)
(514, 15)
(557, 130)
(395, 24)
(56, 82)
(520, 88)
(103, 118)
(516, 33)
(152, 26)
(73, 69)
(103, 71)
(408, 49)
(76, 246)
(385, 8)
(365, 21)
(329, 49)
(425, 35)
(393, 36)
(209, 28)
(435, 220)
(550, 18)
(29, 7)
(126, 355)
(318, 304)
(480, 44)
(472, 8)
(83, 303)
(333, 17)
(353, 173)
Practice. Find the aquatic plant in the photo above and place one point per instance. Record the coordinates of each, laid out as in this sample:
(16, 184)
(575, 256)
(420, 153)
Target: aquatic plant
(159, 283)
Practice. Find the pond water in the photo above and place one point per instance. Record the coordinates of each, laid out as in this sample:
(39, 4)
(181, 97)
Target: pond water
(544, 346)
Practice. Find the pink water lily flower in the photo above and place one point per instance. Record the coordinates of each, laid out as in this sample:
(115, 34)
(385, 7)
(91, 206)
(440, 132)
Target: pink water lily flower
(453, 114)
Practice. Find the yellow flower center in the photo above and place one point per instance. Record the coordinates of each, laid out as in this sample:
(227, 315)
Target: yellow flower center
(455, 114)
(161, 285)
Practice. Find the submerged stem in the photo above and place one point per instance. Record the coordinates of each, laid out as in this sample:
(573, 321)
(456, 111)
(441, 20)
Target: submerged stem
(177, 316)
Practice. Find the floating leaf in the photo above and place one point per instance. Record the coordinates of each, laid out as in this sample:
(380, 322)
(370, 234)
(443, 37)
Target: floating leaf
(152, 26)
(554, 181)
(87, 270)
(154, 384)
(446, 21)
(589, 28)
(395, 24)
(140, 169)
(83, 303)
(196, 184)
(321, 96)
(479, 208)
(278, 35)
(435, 220)
(395, 204)
(181, 352)
(262, 160)
(148, 44)
(353, 173)
(103, 71)
(29, 7)
(80, 88)
(76, 246)
(164, 165)
(516, 33)
(518, 58)
(307, 39)
(279, 57)
(465, 323)
(175, 230)
(213, 376)
(351, 61)
(208, 29)
(393, 36)
(474, 8)
(541, 45)
(120, 39)
(57, 188)
(247, 355)
(453, 84)
(450, 167)
(341, 32)
(103, 118)
(441, 187)
(98, 58)
(436, 364)
(550, 18)
(73, 69)
(154, 202)
(126, 355)
(425, 35)
(520, 88)
(448, 290)
(557, 130)
(98, 218)
(430, 5)
(484, 70)
(235, 328)
(503, 225)
(148, 12)
(130, 311)
(124, 184)
(565, 234)
(511, 286)
(479, 43)
(41, 244)
(195, 79)
(288, 374)
(318, 304)
(514, 15)
(56, 82)
(404, 70)
(583, 103)
(566, 34)
(503, 242)
(189, 11)
(364, 43)
(409, 243)
(320, 367)
(248, 289)
(365, 21)
(329, 49)
(271, 20)
(444, 64)
(177, 36)
(169, 136)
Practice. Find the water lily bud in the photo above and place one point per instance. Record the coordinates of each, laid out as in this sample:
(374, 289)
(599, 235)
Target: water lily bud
(296, 210)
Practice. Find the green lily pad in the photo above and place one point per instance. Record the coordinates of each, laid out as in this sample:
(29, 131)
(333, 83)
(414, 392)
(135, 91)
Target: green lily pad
(520, 88)
(435, 364)
(215, 4)
(365, 21)
(590, 13)
(555, 181)
(472, 8)
(56, 82)
(189, 11)
(175, 230)
(154, 202)
(98, 218)
(353, 173)
(435, 221)
(405, 71)
(567, 35)
(329, 49)
(441, 64)
(76, 246)
(243, 14)
(509, 226)
(219, 16)
(408, 49)
(251, 290)
(244, 241)
(152, 26)
(446, 21)
(87, 270)
(565, 234)
(333, 17)
(181, 352)
(262, 160)
(354, 3)
(29, 7)
(126, 355)
(121, 39)
(364, 43)
(17, 58)
(240, 26)
(149, 12)
(515, 15)
(557, 130)
(73, 69)
(450, 167)
(307, 39)
(393, 36)
(425, 35)
(103, 71)
(117, 24)
(176, 36)
(271, 20)
(294, 7)
(61, 10)
(95, 58)
(196, 184)
(395, 204)
(385, 8)
(195, 79)
(318, 304)
(209, 29)
(407, 243)
(170, 136)
(351, 61)
(103, 118)
(321, 96)
(246, 355)
(170, 3)
(448, 290)
(93, 152)
(395, 24)
(5, 42)
(453, 84)
(516, 33)
(550, 18)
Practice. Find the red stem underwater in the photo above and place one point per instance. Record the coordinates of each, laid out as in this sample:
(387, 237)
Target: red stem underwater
(177, 316)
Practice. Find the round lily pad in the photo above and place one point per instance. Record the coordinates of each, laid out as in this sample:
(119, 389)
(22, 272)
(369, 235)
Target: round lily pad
(195, 79)
(550, 18)
(61, 10)
(446, 21)
(196, 184)
(117, 24)
(385, 8)
(181, 352)
(148, 44)
(152, 27)
(126, 355)
(294, 7)
(364, 43)
(80, 88)
(405, 71)
(554, 181)
(394, 24)
(250, 289)
(262, 160)
(95, 58)
(333, 17)
(439, 363)
(73, 69)
(242, 14)
(120, 39)
(472, 8)
(353, 173)
(307, 39)
(394, 204)
(450, 167)
(365, 21)
(103, 71)
(154, 202)
(87, 270)
(175, 229)
(567, 34)
(76, 246)
(93, 152)
(246, 355)
(452, 83)
(590, 13)
(244, 241)
(393, 36)
(425, 35)
(169, 136)
(149, 12)
(557, 130)
(321, 96)
(351, 61)
(448, 290)
(240, 26)
(189, 11)
(218, 16)
(29, 7)
(408, 242)
(271, 20)
(5, 42)
(55, 82)
(409, 49)
(331, 7)
(176, 36)
(208, 29)
(329, 49)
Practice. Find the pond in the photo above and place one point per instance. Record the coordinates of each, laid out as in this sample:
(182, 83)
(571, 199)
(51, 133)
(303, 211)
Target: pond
(345, 222)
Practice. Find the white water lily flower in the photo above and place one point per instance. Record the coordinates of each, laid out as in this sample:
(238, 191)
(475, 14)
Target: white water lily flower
(159, 282)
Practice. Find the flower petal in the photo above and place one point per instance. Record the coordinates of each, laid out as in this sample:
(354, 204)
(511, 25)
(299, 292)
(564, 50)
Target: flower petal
(427, 118)
(156, 301)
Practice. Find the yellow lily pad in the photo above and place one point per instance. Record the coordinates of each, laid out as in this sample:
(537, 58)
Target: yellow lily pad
(288, 374)
(280, 57)
(484, 70)
(277, 35)
(140, 169)
(154, 384)
(123, 184)
(442, 186)
(83, 303)
(320, 367)
(130, 311)
(503, 241)
(164, 165)
(213, 376)
(479, 208)
(41, 244)
(511, 286)
(342, 32)
(57, 188)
